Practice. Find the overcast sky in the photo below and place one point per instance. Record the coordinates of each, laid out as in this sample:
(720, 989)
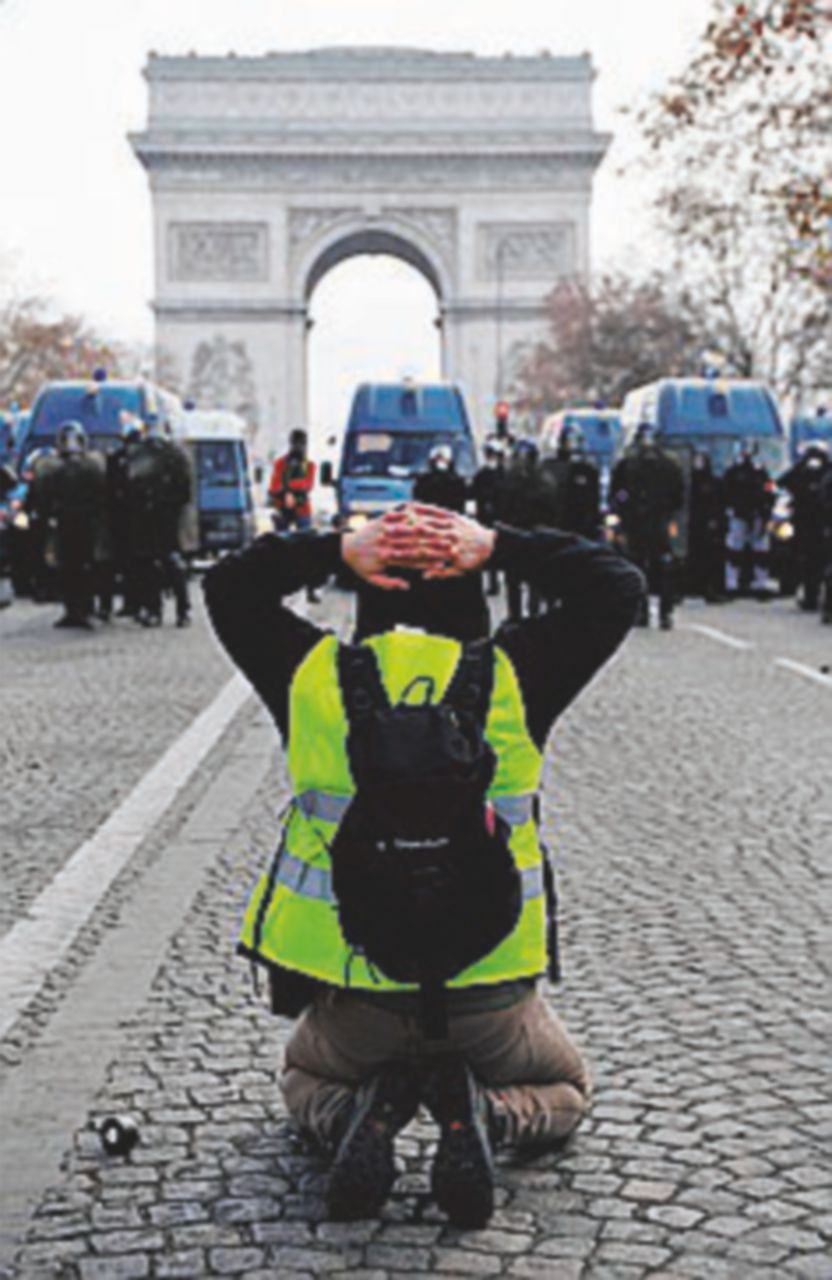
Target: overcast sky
(75, 211)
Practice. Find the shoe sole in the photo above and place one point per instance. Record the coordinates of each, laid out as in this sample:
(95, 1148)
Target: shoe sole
(463, 1176)
(363, 1173)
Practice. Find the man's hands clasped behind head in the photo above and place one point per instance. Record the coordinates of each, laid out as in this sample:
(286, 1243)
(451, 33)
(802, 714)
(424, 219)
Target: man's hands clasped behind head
(437, 543)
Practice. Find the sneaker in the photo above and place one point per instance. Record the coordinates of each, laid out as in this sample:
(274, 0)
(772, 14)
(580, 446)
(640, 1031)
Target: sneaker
(463, 1169)
(363, 1170)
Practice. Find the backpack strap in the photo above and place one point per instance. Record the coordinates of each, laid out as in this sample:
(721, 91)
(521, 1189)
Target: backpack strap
(472, 682)
(361, 685)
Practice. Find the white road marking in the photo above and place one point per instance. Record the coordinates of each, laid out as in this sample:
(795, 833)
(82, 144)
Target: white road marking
(37, 943)
(733, 642)
(802, 670)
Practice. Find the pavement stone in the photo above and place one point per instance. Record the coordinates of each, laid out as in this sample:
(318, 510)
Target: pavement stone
(694, 872)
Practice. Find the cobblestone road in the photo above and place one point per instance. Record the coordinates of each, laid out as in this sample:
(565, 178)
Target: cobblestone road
(687, 794)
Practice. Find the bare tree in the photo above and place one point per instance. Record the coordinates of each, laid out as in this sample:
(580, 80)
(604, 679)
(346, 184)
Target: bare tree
(741, 144)
(607, 338)
(36, 346)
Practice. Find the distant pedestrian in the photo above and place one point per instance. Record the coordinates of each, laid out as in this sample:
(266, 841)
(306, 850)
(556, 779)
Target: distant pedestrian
(749, 500)
(290, 491)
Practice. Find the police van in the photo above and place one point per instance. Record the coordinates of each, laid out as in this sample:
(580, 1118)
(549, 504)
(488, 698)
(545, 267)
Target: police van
(224, 508)
(392, 428)
(102, 406)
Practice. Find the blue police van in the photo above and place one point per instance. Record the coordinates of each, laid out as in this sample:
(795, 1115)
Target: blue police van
(223, 518)
(102, 406)
(392, 428)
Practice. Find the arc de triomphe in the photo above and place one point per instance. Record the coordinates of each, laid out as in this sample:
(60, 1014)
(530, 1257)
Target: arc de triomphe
(266, 172)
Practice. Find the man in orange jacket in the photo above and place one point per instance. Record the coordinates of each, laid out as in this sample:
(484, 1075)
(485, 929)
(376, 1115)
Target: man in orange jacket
(290, 489)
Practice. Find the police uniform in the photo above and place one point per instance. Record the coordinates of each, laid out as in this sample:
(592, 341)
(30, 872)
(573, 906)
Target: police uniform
(749, 498)
(647, 489)
(354, 1020)
(71, 498)
(805, 483)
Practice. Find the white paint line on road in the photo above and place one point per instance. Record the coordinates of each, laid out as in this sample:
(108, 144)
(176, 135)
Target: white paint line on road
(47, 1098)
(733, 642)
(801, 669)
(38, 942)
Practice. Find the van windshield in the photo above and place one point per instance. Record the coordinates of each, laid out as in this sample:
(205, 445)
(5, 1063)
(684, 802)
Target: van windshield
(402, 454)
(218, 463)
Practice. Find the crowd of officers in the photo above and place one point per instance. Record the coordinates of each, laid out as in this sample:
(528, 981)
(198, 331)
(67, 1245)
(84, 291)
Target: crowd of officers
(108, 528)
(727, 517)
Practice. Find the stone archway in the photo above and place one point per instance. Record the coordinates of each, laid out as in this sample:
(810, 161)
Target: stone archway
(267, 171)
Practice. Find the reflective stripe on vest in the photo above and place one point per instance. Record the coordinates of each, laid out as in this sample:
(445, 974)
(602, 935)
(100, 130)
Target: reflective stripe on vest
(328, 807)
(316, 882)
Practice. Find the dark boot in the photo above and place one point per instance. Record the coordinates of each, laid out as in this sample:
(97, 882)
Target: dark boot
(463, 1169)
(363, 1171)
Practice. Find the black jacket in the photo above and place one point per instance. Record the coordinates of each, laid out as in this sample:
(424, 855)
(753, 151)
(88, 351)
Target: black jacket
(596, 592)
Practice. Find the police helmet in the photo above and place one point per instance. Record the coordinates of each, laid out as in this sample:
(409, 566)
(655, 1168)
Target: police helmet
(298, 438)
(815, 449)
(441, 457)
(571, 439)
(526, 451)
(71, 439)
(132, 427)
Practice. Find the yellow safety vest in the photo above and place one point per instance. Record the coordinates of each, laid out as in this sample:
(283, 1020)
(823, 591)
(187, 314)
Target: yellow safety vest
(292, 916)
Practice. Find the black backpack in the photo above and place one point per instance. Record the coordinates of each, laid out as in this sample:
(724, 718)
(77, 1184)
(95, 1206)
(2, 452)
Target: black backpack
(423, 875)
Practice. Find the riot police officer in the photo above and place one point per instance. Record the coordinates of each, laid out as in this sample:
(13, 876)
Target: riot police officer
(70, 496)
(825, 503)
(804, 482)
(647, 491)
(523, 506)
(441, 485)
(573, 486)
(706, 531)
(118, 502)
(488, 489)
(749, 499)
(159, 488)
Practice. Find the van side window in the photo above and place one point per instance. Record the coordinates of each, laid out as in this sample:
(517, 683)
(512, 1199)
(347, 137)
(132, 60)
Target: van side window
(410, 403)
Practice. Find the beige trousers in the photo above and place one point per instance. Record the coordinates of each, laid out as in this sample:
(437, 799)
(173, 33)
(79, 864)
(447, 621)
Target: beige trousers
(536, 1081)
